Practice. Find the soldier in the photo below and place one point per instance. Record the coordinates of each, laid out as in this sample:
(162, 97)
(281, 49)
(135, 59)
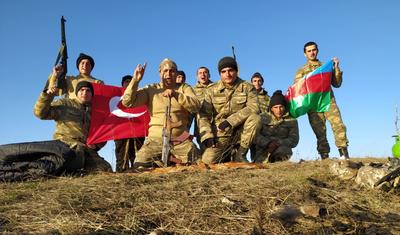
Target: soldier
(262, 95)
(318, 120)
(181, 77)
(85, 65)
(156, 97)
(279, 132)
(228, 117)
(72, 116)
(203, 81)
(125, 149)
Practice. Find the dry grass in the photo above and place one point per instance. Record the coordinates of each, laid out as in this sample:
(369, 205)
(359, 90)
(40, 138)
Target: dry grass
(230, 201)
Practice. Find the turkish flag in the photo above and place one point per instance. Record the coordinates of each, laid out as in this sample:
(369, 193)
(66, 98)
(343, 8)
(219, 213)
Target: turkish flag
(110, 120)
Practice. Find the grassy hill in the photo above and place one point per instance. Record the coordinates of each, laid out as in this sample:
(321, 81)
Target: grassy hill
(282, 198)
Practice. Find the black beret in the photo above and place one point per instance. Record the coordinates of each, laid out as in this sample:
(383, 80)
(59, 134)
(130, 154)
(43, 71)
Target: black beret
(84, 84)
(83, 56)
(277, 98)
(227, 62)
(125, 78)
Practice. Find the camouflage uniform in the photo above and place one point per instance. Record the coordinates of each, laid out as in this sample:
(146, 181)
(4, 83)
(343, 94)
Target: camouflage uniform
(238, 106)
(262, 101)
(199, 90)
(69, 83)
(318, 120)
(285, 131)
(72, 126)
(152, 96)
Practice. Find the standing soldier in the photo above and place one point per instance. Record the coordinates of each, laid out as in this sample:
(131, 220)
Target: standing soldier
(85, 65)
(262, 95)
(125, 149)
(318, 119)
(157, 96)
(279, 132)
(203, 81)
(228, 117)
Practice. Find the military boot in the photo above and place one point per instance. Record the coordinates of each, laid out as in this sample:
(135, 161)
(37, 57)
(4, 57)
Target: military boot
(241, 155)
(344, 154)
(324, 156)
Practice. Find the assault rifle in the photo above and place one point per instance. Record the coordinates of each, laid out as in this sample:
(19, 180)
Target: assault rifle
(392, 175)
(61, 58)
(166, 134)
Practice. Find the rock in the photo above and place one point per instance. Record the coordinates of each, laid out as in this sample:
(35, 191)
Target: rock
(345, 169)
(369, 175)
(313, 210)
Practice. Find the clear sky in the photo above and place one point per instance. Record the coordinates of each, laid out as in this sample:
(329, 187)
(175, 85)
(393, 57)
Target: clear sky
(268, 37)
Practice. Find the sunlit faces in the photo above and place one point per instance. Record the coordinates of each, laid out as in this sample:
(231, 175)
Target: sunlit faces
(311, 52)
(85, 67)
(278, 110)
(228, 75)
(180, 79)
(257, 83)
(168, 74)
(126, 83)
(203, 76)
(85, 95)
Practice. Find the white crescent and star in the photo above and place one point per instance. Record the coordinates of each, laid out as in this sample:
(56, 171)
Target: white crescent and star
(113, 105)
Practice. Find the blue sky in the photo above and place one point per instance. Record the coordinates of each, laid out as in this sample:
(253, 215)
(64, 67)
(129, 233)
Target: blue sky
(268, 37)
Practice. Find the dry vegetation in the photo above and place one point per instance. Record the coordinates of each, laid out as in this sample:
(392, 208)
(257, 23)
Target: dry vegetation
(230, 201)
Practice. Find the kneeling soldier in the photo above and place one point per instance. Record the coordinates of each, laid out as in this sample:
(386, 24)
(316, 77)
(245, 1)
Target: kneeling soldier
(279, 132)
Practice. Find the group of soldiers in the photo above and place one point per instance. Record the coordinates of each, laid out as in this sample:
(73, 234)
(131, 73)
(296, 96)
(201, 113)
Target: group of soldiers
(231, 116)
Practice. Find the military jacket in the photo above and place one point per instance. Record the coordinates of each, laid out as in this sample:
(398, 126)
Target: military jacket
(152, 96)
(72, 118)
(285, 130)
(263, 101)
(234, 104)
(70, 82)
(200, 89)
(311, 66)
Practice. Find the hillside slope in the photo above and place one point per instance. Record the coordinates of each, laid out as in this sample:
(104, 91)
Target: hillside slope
(283, 198)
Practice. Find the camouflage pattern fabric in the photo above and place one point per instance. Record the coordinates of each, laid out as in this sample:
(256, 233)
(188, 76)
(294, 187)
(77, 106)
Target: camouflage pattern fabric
(263, 101)
(285, 131)
(243, 135)
(128, 147)
(70, 83)
(318, 120)
(238, 106)
(152, 149)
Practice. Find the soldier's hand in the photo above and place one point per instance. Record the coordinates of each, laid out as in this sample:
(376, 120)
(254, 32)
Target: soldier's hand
(336, 62)
(52, 91)
(223, 125)
(57, 70)
(139, 72)
(169, 93)
(209, 143)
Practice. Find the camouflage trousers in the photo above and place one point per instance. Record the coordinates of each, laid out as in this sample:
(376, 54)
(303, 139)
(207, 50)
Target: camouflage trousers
(152, 149)
(282, 153)
(243, 135)
(318, 124)
(125, 152)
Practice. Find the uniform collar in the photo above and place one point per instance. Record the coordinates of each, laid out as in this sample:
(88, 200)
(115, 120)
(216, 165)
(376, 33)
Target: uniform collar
(221, 86)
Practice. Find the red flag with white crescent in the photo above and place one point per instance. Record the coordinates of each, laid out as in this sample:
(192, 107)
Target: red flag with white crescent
(110, 120)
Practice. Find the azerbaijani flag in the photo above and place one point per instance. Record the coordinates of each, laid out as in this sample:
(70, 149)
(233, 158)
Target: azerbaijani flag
(312, 92)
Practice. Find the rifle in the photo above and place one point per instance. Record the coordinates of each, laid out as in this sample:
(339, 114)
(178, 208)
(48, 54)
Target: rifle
(166, 134)
(233, 53)
(63, 56)
(392, 175)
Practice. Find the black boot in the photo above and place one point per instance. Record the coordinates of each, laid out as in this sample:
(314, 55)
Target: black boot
(241, 155)
(344, 154)
(324, 156)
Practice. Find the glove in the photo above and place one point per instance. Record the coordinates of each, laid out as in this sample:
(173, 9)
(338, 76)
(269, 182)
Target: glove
(209, 142)
(223, 125)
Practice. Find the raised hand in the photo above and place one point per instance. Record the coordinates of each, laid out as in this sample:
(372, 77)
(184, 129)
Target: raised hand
(139, 72)
(336, 62)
